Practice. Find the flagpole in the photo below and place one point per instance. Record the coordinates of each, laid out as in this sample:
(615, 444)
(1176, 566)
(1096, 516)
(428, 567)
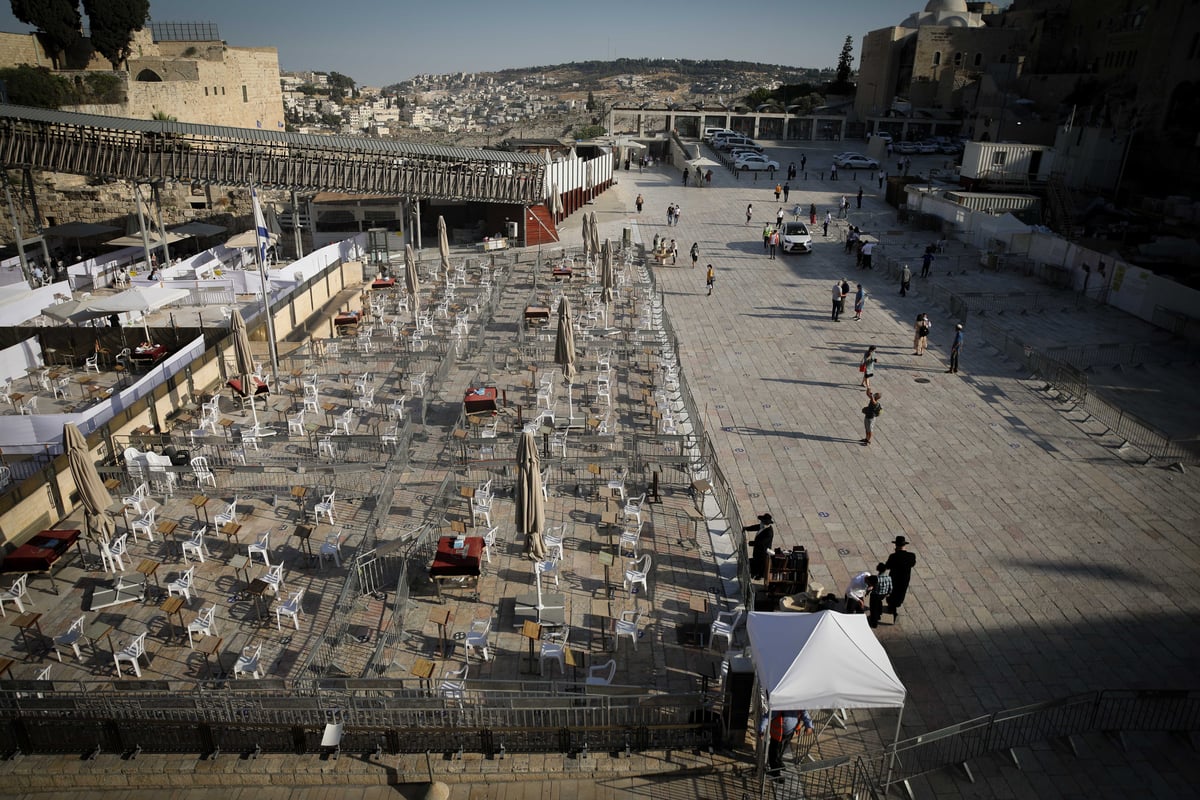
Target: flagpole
(260, 255)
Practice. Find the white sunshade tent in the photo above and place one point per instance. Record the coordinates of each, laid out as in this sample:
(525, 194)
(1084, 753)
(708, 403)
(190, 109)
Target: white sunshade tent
(822, 660)
(139, 298)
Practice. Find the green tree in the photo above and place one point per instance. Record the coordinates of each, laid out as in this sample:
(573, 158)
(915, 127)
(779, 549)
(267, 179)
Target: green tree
(113, 23)
(35, 86)
(340, 85)
(845, 68)
(58, 21)
(759, 96)
(588, 131)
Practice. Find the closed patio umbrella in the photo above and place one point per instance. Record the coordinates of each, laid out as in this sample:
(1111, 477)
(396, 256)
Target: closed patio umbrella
(564, 350)
(595, 234)
(92, 494)
(411, 281)
(607, 280)
(587, 235)
(241, 350)
(530, 505)
(443, 245)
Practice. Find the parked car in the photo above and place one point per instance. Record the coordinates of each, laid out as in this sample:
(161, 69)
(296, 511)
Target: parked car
(795, 238)
(951, 148)
(904, 148)
(927, 148)
(754, 161)
(730, 142)
(882, 136)
(709, 133)
(856, 162)
(745, 148)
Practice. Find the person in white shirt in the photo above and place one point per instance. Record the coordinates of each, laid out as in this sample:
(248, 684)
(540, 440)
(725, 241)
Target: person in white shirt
(856, 593)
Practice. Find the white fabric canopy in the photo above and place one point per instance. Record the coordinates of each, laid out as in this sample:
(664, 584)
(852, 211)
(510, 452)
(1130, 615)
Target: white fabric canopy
(822, 660)
(139, 298)
(248, 239)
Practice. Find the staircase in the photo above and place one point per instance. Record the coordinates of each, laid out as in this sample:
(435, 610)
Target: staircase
(539, 226)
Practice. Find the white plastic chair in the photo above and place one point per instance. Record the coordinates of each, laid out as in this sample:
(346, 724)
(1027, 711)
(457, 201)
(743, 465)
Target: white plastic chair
(602, 674)
(273, 577)
(204, 624)
(132, 653)
(195, 546)
(489, 541)
(554, 541)
(396, 409)
(70, 638)
(636, 574)
(18, 593)
(139, 496)
(60, 387)
(325, 507)
(627, 625)
(481, 508)
(630, 539)
(227, 516)
(555, 650)
(454, 684)
(633, 508)
(616, 485)
(144, 525)
(547, 567)
(325, 447)
(202, 472)
(116, 551)
(262, 546)
(182, 585)
(416, 384)
(290, 608)
(724, 625)
(92, 363)
(477, 638)
(344, 422)
(296, 423)
(332, 548)
(248, 661)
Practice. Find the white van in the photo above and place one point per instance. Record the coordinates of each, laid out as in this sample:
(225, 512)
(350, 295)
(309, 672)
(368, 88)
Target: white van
(711, 133)
(730, 142)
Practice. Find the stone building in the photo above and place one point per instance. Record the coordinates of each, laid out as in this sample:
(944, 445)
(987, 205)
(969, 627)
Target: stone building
(183, 71)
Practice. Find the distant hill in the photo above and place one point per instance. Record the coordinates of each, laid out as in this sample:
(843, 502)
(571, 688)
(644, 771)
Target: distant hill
(692, 70)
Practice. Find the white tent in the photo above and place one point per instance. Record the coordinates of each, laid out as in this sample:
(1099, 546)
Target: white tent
(139, 298)
(822, 660)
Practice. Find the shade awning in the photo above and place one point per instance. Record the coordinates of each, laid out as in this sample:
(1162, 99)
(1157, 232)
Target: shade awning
(139, 298)
(78, 230)
(135, 240)
(822, 660)
(198, 229)
(248, 239)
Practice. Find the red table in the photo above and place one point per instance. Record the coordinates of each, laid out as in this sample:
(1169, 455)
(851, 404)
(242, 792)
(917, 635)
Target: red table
(383, 283)
(562, 273)
(42, 553)
(479, 401)
(259, 387)
(537, 315)
(148, 355)
(449, 563)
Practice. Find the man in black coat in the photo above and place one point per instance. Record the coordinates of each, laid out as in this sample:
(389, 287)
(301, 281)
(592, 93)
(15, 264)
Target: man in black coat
(761, 545)
(900, 566)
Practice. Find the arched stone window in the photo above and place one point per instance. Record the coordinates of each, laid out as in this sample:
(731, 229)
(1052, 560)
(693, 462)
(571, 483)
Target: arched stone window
(937, 57)
(148, 76)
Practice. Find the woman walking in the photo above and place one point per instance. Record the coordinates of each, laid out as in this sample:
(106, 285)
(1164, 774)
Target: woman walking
(860, 300)
(921, 334)
(749, 212)
(871, 411)
(867, 366)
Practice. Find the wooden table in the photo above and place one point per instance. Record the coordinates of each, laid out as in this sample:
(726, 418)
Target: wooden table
(173, 606)
(6, 666)
(298, 494)
(98, 630)
(304, 534)
(211, 646)
(255, 590)
(149, 568)
(698, 604)
(239, 562)
(165, 528)
(112, 484)
(532, 631)
(199, 504)
(422, 670)
(83, 381)
(26, 621)
(230, 531)
(441, 617)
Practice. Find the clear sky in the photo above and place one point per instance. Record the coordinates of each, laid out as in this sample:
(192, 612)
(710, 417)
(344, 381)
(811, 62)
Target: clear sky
(377, 42)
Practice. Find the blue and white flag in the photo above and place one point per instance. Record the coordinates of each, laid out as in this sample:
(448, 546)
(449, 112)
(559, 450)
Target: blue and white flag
(260, 229)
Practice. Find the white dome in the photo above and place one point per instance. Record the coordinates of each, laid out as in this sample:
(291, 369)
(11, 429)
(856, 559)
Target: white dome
(951, 6)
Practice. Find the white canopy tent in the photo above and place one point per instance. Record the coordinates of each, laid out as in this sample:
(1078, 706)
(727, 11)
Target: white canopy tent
(139, 298)
(822, 660)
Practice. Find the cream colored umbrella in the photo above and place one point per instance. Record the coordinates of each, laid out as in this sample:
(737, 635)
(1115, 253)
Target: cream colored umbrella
(607, 280)
(241, 349)
(564, 350)
(530, 505)
(443, 245)
(587, 236)
(411, 281)
(595, 234)
(92, 494)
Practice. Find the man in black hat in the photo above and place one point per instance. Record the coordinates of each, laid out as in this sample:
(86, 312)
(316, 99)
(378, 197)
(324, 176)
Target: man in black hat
(899, 566)
(761, 545)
